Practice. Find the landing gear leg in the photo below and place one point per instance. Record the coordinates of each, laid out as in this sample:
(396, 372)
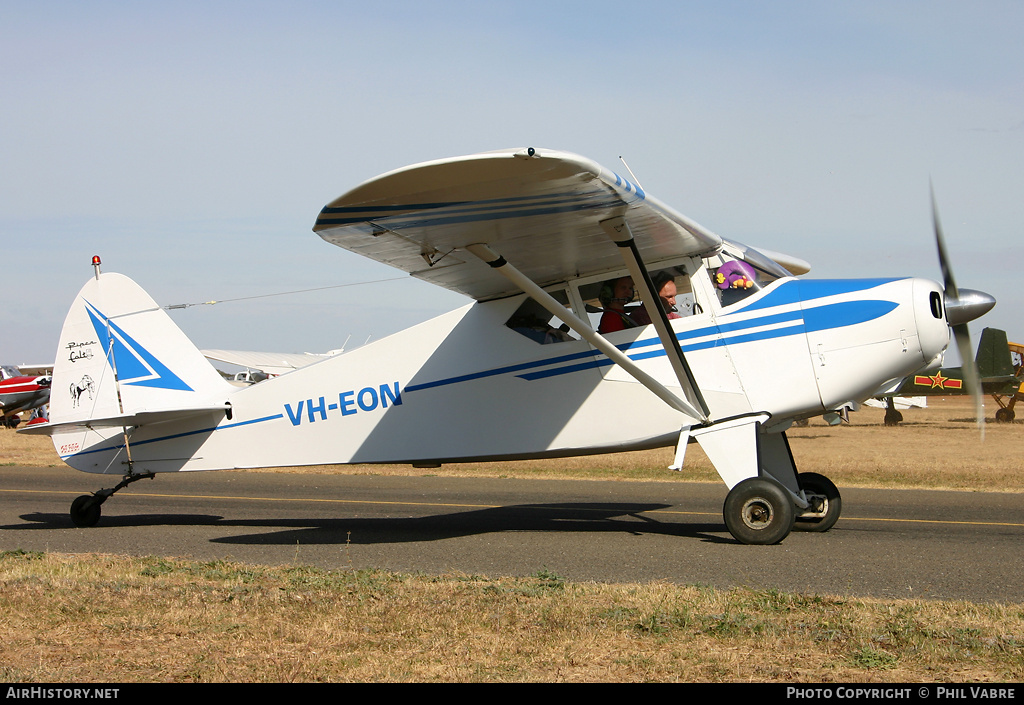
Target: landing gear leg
(85, 510)
(892, 416)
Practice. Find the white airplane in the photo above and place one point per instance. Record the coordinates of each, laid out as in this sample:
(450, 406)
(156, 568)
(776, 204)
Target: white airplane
(541, 241)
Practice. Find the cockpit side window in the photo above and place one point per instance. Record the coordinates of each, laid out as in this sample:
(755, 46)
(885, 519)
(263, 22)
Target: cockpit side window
(675, 293)
(614, 304)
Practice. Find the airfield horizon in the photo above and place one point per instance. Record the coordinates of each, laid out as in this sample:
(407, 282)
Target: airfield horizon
(936, 447)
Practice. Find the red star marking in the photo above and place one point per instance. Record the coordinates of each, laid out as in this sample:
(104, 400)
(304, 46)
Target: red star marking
(938, 381)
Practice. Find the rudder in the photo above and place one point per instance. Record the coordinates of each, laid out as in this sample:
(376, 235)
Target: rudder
(994, 359)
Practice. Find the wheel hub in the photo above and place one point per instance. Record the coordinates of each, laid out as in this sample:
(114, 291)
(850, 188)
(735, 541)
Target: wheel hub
(757, 513)
(818, 506)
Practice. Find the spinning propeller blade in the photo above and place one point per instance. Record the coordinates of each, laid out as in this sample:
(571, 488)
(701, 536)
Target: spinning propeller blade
(962, 306)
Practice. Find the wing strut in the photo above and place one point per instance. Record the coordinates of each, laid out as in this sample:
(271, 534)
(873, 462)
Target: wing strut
(618, 230)
(496, 261)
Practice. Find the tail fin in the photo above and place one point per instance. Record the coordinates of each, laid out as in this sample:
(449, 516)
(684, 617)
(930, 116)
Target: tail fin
(993, 358)
(121, 356)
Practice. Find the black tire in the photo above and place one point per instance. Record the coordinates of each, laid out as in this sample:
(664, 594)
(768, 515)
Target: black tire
(1005, 415)
(85, 511)
(758, 511)
(824, 516)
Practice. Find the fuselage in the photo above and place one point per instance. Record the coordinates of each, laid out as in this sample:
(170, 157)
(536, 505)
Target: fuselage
(467, 386)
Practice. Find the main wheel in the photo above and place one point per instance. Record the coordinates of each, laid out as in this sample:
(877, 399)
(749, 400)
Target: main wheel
(758, 511)
(892, 417)
(826, 504)
(1005, 415)
(85, 511)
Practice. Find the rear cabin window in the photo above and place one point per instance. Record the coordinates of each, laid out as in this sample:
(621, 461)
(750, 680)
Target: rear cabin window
(536, 322)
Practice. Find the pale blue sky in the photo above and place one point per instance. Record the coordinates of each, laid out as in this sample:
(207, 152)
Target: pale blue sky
(192, 144)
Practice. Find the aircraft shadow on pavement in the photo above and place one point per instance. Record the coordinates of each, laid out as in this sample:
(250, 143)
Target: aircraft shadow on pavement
(625, 518)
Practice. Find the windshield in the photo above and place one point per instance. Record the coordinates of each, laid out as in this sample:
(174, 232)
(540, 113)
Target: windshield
(736, 278)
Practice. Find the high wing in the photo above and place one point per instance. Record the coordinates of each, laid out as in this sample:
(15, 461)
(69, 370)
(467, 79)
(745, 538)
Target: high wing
(540, 209)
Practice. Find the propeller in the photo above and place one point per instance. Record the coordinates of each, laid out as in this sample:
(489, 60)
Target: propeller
(962, 306)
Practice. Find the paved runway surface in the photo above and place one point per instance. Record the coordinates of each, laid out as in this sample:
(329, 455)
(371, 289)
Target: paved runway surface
(908, 543)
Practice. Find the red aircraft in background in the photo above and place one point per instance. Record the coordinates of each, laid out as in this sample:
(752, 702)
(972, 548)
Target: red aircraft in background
(20, 392)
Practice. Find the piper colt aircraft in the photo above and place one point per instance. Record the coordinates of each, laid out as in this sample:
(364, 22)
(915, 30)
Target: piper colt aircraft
(545, 244)
(21, 392)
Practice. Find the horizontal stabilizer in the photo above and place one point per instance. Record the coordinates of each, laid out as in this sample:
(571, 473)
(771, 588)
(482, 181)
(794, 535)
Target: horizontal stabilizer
(141, 418)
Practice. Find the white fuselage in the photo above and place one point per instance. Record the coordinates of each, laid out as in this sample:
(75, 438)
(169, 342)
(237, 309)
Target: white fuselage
(464, 386)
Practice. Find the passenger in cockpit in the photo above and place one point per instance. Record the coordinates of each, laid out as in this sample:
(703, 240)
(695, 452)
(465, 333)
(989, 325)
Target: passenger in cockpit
(614, 296)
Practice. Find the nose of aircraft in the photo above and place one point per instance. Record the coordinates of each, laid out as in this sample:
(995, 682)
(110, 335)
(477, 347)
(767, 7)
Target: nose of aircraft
(966, 305)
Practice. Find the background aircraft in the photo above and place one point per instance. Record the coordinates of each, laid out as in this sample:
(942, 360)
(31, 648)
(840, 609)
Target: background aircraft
(996, 371)
(266, 364)
(533, 238)
(1007, 399)
(20, 392)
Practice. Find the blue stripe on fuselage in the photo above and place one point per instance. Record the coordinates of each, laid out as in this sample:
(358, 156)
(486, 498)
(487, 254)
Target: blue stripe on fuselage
(804, 290)
(727, 332)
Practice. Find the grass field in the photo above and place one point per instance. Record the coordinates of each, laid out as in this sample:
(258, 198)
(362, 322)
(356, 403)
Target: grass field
(101, 618)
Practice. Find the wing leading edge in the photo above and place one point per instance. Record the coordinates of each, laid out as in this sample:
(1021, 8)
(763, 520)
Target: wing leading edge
(541, 209)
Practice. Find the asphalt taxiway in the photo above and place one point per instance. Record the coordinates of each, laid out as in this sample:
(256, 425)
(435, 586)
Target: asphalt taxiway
(888, 543)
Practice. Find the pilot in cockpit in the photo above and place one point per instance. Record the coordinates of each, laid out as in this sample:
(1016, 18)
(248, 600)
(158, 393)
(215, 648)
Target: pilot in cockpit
(665, 288)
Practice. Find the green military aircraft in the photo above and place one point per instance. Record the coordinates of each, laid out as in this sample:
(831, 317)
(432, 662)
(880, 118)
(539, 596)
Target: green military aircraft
(998, 373)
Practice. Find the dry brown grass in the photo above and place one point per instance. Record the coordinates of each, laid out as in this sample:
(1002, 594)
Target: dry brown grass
(938, 447)
(120, 619)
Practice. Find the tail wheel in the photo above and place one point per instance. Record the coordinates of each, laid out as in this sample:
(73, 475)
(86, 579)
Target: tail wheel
(85, 511)
(758, 511)
(826, 504)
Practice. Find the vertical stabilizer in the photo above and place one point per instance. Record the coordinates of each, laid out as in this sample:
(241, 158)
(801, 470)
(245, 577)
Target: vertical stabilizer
(994, 358)
(120, 354)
